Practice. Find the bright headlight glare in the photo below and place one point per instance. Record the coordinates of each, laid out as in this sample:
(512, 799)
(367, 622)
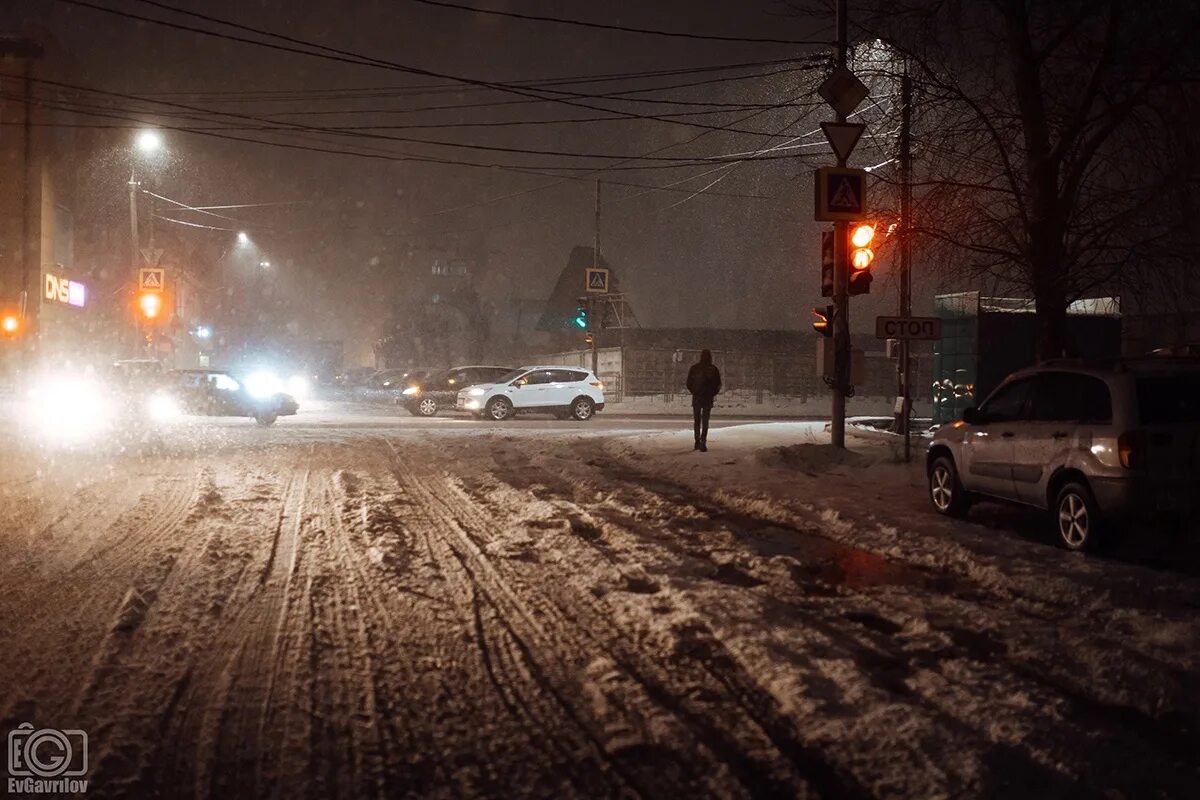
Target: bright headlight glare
(472, 404)
(162, 408)
(262, 385)
(69, 409)
(477, 392)
(412, 390)
(297, 387)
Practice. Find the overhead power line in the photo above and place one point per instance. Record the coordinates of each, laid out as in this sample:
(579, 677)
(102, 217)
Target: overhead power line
(621, 28)
(291, 126)
(346, 56)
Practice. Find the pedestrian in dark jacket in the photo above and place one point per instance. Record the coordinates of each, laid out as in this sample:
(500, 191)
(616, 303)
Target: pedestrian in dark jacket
(704, 382)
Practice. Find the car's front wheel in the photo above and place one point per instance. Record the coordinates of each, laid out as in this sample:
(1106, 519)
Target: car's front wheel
(427, 407)
(582, 408)
(1076, 517)
(945, 490)
(266, 418)
(499, 409)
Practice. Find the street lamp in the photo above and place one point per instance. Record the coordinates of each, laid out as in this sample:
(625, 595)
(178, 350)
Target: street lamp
(243, 238)
(149, 142)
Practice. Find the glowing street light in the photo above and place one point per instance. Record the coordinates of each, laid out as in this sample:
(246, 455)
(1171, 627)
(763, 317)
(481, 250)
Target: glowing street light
(10, 324)
(243, 238)
(149, 142)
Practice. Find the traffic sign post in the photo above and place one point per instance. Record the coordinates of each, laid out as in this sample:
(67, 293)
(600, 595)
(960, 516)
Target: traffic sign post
(152, 279)
(596, 280)
(843, 137)
(840, 194)
(908, 328)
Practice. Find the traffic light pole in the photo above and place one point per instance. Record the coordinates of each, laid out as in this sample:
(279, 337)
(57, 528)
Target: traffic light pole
(591, 304)
(841, 279)
(134, 263)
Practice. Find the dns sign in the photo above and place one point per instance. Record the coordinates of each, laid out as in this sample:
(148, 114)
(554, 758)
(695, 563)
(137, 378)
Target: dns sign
(62, 290)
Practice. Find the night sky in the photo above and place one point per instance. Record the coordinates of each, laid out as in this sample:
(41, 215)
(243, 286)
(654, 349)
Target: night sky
(366, 226)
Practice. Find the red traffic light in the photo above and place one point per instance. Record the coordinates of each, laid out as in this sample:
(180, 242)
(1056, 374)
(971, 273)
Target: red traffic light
(10, 324)
(150, 305)
(862, 234)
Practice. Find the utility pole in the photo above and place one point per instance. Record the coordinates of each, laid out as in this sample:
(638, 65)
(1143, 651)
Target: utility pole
(905, 365)
(134, 263)
(841, 279)
(592, 306)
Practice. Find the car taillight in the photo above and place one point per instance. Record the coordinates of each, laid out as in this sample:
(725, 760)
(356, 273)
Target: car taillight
(597, 384)
(1131, 448)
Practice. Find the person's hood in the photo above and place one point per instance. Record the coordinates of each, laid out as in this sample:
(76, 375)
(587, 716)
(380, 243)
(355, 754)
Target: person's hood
(706, 357)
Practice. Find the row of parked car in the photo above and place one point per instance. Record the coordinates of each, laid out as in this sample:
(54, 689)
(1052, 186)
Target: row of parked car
(488, 391)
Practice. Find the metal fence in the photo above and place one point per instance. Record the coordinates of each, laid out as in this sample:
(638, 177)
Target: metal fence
(640, 371)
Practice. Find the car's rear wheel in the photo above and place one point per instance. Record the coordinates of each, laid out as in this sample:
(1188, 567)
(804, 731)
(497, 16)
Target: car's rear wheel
(266, 418)
(582, 408)
(499, 409)
(945, 490)
(427, 407)
(1076, 517)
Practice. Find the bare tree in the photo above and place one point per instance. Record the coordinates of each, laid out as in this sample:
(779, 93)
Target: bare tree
(1049, 151)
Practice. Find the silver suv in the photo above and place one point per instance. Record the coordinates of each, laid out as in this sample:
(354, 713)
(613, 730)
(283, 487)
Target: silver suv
(1091, 444)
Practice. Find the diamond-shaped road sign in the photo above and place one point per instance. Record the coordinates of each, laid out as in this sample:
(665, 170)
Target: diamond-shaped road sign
(597, 280)
(843, 137)
(843, 91)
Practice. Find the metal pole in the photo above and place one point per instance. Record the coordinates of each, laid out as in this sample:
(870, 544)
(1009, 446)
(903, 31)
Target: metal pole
(133, 248)
(591, 305)
(905, 254)
(841, 305)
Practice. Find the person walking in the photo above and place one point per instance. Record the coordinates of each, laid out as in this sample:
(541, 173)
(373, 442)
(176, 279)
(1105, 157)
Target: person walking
(704, 382)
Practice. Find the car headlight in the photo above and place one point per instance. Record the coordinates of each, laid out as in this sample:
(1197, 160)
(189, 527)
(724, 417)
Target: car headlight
(261, 385)
(471, 404)
(477, 392)
(163, 408)
(69, 408)
(410, 391)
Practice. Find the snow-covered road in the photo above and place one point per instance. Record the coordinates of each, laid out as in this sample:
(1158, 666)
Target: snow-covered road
(364, 610)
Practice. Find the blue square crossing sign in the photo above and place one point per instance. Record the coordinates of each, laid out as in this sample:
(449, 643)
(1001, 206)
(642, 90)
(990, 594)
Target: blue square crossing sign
(840, 194)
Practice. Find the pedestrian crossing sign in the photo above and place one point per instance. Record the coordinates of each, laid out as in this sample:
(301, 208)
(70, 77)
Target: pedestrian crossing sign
(151, 279)
(840, 194)
(597, 280)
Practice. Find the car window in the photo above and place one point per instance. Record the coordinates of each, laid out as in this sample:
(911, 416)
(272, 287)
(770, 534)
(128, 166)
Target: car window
(1168, 399)
(537, 377)
(566, 376)
(457, 379)
(511, 375)
(1008, 402)
(495, 374)
(1070, 397)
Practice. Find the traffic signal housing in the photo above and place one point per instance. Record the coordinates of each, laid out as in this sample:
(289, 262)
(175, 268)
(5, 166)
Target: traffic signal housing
(581, 320)
(861, 256)
(822, 321)
(150, 306)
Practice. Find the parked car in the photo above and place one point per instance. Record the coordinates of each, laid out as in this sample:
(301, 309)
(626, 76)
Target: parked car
(1093, 445)
(437, 391)
(566, 392)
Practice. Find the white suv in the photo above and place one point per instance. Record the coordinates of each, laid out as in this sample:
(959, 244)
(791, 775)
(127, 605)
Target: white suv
(566, 392)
